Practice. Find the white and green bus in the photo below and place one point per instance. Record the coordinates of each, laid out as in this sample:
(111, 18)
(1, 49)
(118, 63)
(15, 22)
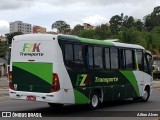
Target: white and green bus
(61, 69)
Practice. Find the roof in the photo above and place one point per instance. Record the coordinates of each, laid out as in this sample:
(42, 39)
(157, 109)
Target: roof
(79, 39)
(100, 42)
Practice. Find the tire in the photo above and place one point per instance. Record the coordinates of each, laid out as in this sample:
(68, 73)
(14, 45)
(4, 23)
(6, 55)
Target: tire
(95, 101)
(145, 96)
(56, 106)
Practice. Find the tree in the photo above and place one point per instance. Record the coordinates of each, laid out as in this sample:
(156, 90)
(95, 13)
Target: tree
(9, 36)
(132, 36)
(88, 34)
(77, 29)
(3, 49)
(139, 25)
(115, 24)
(62, 27)
(102, 32)
(152, 20)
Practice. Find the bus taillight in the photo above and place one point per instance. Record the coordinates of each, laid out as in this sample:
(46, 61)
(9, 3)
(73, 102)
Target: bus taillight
(11, 85)
(55, 83)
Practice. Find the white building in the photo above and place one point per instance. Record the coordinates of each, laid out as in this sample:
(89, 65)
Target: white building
(19, 26)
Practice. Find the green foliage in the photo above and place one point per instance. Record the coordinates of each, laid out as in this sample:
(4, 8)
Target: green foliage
(62, 27)
(152, 20)
(115, 24)
(129, 30)
(139, 25)
(101, 32)
(9, 36)
(3, 49)
(88, 34)
(132, 36)
(77, 29)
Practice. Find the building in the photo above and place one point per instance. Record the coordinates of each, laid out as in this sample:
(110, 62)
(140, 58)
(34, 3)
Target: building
(88, 26)
(2, 38)
(19, 26)
(38, 29)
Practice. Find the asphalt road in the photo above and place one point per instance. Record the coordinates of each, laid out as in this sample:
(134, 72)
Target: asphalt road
(121, 110)
(118, 110)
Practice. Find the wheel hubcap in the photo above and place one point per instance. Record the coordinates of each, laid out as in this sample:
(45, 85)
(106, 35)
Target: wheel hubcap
(94, 100)
(145, 95)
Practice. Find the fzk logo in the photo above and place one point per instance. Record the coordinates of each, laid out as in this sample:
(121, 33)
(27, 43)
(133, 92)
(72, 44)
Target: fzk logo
(31, 49)
(83, 80)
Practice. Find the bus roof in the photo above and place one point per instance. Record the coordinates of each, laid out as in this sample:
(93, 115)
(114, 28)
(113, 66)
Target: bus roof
(100, 42)
(79, 39)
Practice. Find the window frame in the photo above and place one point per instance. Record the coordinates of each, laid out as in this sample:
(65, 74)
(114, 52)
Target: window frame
(117, 58)
(104, 61)
(142, 51)
(65, 61)
(133, 59)
(101, 47)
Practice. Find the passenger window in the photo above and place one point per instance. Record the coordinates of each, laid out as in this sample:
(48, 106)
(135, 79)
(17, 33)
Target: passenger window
(77, 52)
(68, 52)
(129, 59)
(139, 59)
(98, 57)
(114, 58)
(89, 57)
(146, 66)
(122, 59)
(107, 58)
(73, 56)
(78, 59)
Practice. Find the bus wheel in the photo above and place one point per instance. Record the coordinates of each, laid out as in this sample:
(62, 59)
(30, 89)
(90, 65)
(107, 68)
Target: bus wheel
(54, 105)
(145, 96)
(95, 101)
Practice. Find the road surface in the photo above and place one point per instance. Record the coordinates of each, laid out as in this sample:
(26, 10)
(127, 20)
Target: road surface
(120, 110)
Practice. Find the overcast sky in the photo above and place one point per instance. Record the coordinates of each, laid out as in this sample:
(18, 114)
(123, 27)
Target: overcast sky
(46, 12)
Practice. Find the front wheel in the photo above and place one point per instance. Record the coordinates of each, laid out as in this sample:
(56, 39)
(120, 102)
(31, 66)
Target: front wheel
(145, 96)
(95, 101)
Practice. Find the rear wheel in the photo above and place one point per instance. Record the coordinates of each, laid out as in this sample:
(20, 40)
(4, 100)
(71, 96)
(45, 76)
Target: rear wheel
(54, 105)
(95, 101)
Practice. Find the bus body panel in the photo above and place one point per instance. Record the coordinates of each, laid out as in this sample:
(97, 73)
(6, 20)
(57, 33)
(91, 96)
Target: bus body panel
(42, 49)
(76, 86)
(143, 79)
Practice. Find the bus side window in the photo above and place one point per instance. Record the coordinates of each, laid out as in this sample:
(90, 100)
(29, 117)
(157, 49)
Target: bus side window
(78, 59)
(107, 58)
(146, 65)
(89, 56)
(114, 58)
(122, 59)
(139, 54)
(98, 58)
(129, 59)
(68, 52)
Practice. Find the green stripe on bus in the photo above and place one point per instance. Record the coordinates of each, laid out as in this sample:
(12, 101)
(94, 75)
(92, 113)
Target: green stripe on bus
(85, 40)
(94, 41)
(130, 76)
(80, 98)
(41, 70)
(25, 79)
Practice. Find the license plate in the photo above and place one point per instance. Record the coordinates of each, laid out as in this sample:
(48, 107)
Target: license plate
(31, 98)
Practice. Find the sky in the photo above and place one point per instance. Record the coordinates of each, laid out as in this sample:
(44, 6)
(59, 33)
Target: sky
(95, 12)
